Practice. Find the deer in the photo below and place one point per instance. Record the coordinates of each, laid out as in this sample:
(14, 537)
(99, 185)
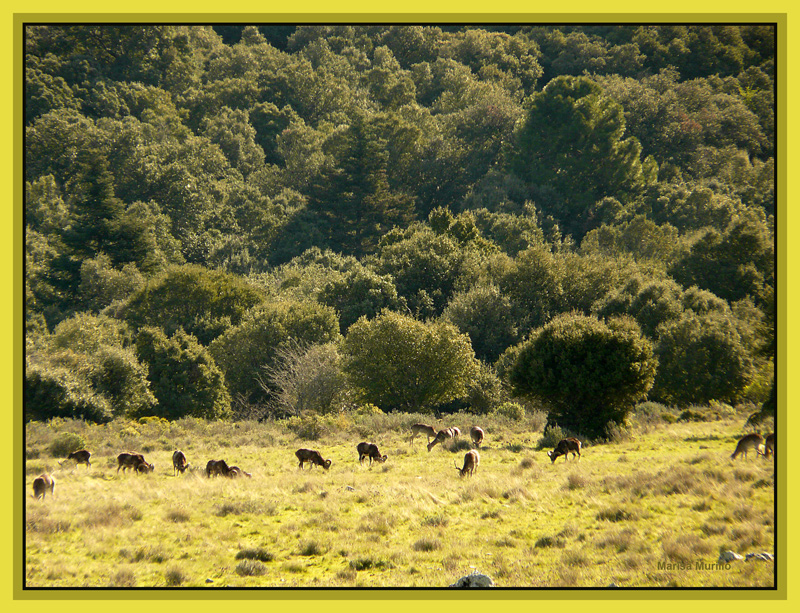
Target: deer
(41, 485)
(369, 450)
(217, 467)
(476, 434)
(235, 471)
(747, 442)
(441, 437)
(428, 431)
(144, 468)
(565, 447)
(129, 460)
(769, 445)
(179, 463)
(471, 460)
(80, 457)
(313, 457)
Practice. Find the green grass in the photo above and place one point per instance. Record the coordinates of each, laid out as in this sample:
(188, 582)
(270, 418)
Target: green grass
(667, 493)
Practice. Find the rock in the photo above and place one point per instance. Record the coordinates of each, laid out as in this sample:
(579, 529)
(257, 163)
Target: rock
(612, 584)
(764, 556)
(350, 488)
(729, 556)
(209, 581)
(475, 579)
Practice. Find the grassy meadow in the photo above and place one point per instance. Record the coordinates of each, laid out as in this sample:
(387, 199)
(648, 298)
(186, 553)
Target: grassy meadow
(643, 510)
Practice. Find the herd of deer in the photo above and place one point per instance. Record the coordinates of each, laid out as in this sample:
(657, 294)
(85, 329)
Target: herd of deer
(135, 461)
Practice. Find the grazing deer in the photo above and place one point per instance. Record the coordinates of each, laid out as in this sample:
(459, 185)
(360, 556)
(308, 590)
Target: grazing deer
(769, 445)
(144, 468)
(441, 437)
(179, 463)
(129, 460)
(456, 432)
(747, 442)
(80, 457)
(471, 461)
(313, 457)
(369, 450)
(476, 434)
(217, 467)
(41, 485)
(428, 431)
(564, 447)
(235, 471)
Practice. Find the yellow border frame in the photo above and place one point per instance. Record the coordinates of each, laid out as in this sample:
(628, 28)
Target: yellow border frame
(512, 598)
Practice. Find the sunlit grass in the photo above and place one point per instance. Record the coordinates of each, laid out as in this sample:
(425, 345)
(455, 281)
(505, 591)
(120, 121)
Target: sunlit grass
(670, 494)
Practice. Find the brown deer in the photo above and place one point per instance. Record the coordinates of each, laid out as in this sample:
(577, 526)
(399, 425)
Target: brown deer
(179, 463)
(476, 434)
(80, 457)
(41, 485)
(313, 457)
(129, 460)
(235, 471)
(441, 437)
(565, 447)
(369, 450)
(428, 431)
(144, 468)
(746, 443)
(471, 461)
(217, 467)
(769, 445)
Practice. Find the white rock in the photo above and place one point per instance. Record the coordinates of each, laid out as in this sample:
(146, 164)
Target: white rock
(729, 556)
(764, 556)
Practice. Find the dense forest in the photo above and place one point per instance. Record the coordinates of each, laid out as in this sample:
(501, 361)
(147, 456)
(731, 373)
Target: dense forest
(237, 222)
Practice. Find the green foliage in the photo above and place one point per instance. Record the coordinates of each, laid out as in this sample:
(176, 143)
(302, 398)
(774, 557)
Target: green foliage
(430, 171)
(244, 350)
(511, 410)
(65, 443)
(701, 358)
(588, 372)
(572, 143)
(183, 376)
(86, 368)
(396, 362)
(486, 315)
(204, 303)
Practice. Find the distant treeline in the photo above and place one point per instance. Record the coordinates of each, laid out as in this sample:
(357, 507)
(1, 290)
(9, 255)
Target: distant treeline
(233, 221)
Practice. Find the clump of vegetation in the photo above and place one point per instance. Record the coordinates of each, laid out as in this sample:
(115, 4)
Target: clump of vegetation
(250, 568)
(65, 443)
(259, 553)
(511, 410)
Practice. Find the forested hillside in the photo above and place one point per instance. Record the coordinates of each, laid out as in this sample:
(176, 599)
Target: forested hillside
(261, 221)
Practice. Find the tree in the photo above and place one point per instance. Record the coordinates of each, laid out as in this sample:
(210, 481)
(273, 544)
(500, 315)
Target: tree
(352, 200)
(573, 142)
(397, 362)
(202, 302)
(244, 350)
(589, 373)
(486, 315)
(305, 378)
(701, 358)
(86, 369)
(183, 376)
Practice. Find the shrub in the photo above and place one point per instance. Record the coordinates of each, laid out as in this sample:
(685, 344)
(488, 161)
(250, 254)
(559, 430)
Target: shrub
(511, 410)
(250, 568)
(551, 437)
(260, 554)
(65, 443)
(174, 577)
